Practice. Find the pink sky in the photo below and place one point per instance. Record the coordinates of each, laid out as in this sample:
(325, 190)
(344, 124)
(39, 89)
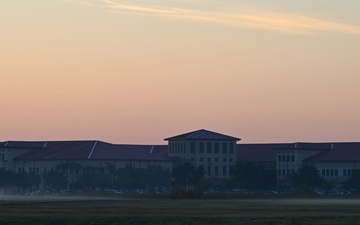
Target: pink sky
(139, 73)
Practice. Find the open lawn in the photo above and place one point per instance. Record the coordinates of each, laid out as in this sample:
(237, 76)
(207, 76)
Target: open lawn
(101, 210)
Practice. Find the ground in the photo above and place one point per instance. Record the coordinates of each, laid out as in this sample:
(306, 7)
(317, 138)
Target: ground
(41, 210)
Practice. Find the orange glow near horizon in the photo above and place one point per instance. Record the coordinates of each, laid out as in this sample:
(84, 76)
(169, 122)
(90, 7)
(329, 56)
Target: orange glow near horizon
(139, 73)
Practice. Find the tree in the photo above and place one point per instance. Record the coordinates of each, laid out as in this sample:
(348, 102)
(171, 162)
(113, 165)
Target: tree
(250, 175)
(7, 179)
(353, 182)
(307, 178)
(186, 175)
(55, 180)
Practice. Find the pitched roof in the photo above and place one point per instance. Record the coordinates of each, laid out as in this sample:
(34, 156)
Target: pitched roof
(202, 135)
(23, 144)
(338, 152)
(96, 150)
(258, 152)
(60, 150)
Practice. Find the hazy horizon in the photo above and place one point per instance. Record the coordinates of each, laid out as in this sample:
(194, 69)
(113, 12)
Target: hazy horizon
(136, 72)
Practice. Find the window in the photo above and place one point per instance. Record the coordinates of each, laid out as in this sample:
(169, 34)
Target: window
(209, 171)
(192, 159)
(336, 173)
(279, 158)
(209, 148)
(192, 147)
(344, 172)
(201, 147)
(323, 172)
(224, 171)
(283, 158)
(292, 158)
(231, 148)
(216, 146)
(230, 160)
(288, 158)
(209, 159)
(224, 148)
(216, 172)
(216, 160)
(224, 159)
(201, 159)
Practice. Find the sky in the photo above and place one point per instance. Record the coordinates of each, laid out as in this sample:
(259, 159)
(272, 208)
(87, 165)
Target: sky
(139, 71)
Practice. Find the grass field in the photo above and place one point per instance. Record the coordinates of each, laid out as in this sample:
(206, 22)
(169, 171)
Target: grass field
(101, 210)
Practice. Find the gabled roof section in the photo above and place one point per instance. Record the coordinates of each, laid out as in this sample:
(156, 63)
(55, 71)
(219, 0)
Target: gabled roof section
(96, 150)
(106, 151)
(338, 152)
(23, 144)
(259, 152)
(202, 135)
(60, 150)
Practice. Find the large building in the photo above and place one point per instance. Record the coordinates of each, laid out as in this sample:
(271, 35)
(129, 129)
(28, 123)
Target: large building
(215, 152)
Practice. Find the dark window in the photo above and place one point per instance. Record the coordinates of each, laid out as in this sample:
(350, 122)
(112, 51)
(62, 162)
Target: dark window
(279, 158)
(216, 160)
(192, 147)
(279, 172)
(216, 172)
(327, 172)
(323, 172)
(224, 159)
(192, 159)
(209, 147)
(231, 148)
(201, 159)
(209, 171)
(209, 159)
(336, 172)
(283, 158)
(287, 158)
(332, 172)
(224, 171)
(230, 160)
(224, 148)
(292, 158)
(216, 148)
(201, 147)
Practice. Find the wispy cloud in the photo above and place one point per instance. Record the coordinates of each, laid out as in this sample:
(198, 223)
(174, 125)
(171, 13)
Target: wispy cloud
(236, 15)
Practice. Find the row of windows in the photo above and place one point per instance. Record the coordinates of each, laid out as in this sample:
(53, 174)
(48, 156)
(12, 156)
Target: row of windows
(201, 159)
(324, 172)
(336, 172)
(210, 147)
(286, 158)
(177, 147)
(209, 172)
(284, 172)
(204, 147)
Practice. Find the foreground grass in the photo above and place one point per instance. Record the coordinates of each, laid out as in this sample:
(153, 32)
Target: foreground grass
(91, 211)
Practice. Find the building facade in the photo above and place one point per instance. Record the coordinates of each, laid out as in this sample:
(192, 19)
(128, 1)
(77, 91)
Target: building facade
(213, 151)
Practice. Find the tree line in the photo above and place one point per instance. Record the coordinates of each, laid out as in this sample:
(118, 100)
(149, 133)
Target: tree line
(72, 176)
